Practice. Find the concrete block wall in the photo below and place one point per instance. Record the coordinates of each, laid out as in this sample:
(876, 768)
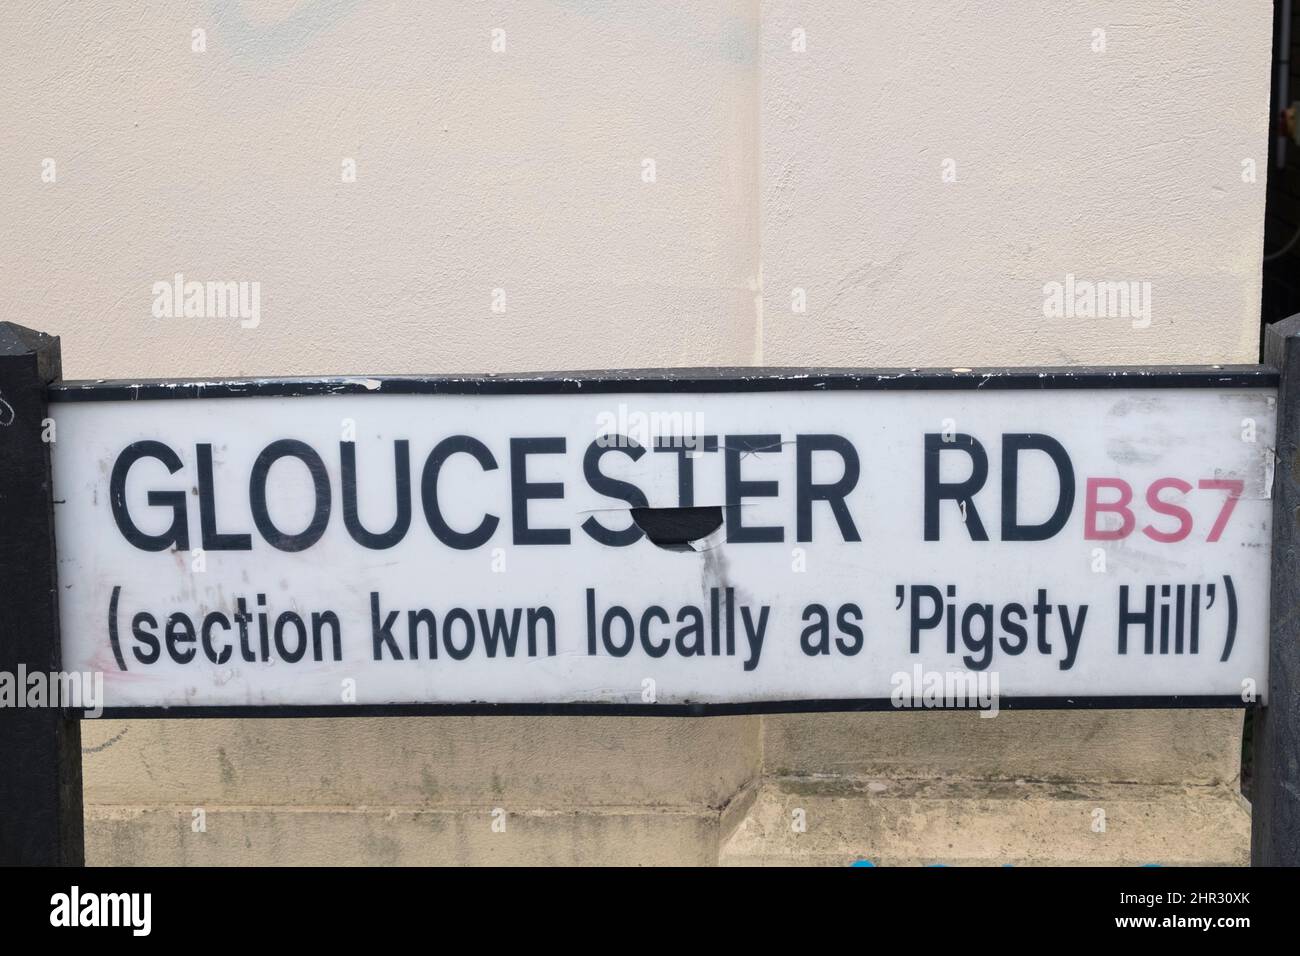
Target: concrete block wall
(559, 790)
(1113, 788)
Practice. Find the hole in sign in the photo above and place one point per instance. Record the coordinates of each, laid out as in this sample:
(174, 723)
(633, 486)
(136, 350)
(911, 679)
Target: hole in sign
(677, 529)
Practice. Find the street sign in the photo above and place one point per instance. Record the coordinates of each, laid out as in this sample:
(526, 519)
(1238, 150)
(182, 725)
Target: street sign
(694, 542)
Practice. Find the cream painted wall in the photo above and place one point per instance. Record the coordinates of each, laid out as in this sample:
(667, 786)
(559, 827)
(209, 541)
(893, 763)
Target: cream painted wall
(522, 170)
(1123, 164)
(476, 170)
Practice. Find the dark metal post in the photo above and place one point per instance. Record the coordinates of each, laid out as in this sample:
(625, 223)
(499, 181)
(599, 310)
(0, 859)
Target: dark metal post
(1275, 800)
(40, 748)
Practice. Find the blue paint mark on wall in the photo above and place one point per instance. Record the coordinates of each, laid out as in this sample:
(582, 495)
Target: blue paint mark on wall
(273, 42)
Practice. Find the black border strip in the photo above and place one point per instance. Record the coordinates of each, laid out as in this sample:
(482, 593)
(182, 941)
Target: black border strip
(678, 380)
(830, 705)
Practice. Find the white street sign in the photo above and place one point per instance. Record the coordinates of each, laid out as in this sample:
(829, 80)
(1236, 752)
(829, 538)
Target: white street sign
(875, 546)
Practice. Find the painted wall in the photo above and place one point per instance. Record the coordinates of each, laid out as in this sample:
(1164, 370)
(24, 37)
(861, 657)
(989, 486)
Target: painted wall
(641, 184)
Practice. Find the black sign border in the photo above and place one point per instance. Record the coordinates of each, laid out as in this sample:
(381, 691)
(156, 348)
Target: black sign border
(658, 381)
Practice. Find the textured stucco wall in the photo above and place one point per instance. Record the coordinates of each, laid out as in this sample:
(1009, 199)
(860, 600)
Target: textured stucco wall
(475, 170)
(1115, 164)
(523, 170)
